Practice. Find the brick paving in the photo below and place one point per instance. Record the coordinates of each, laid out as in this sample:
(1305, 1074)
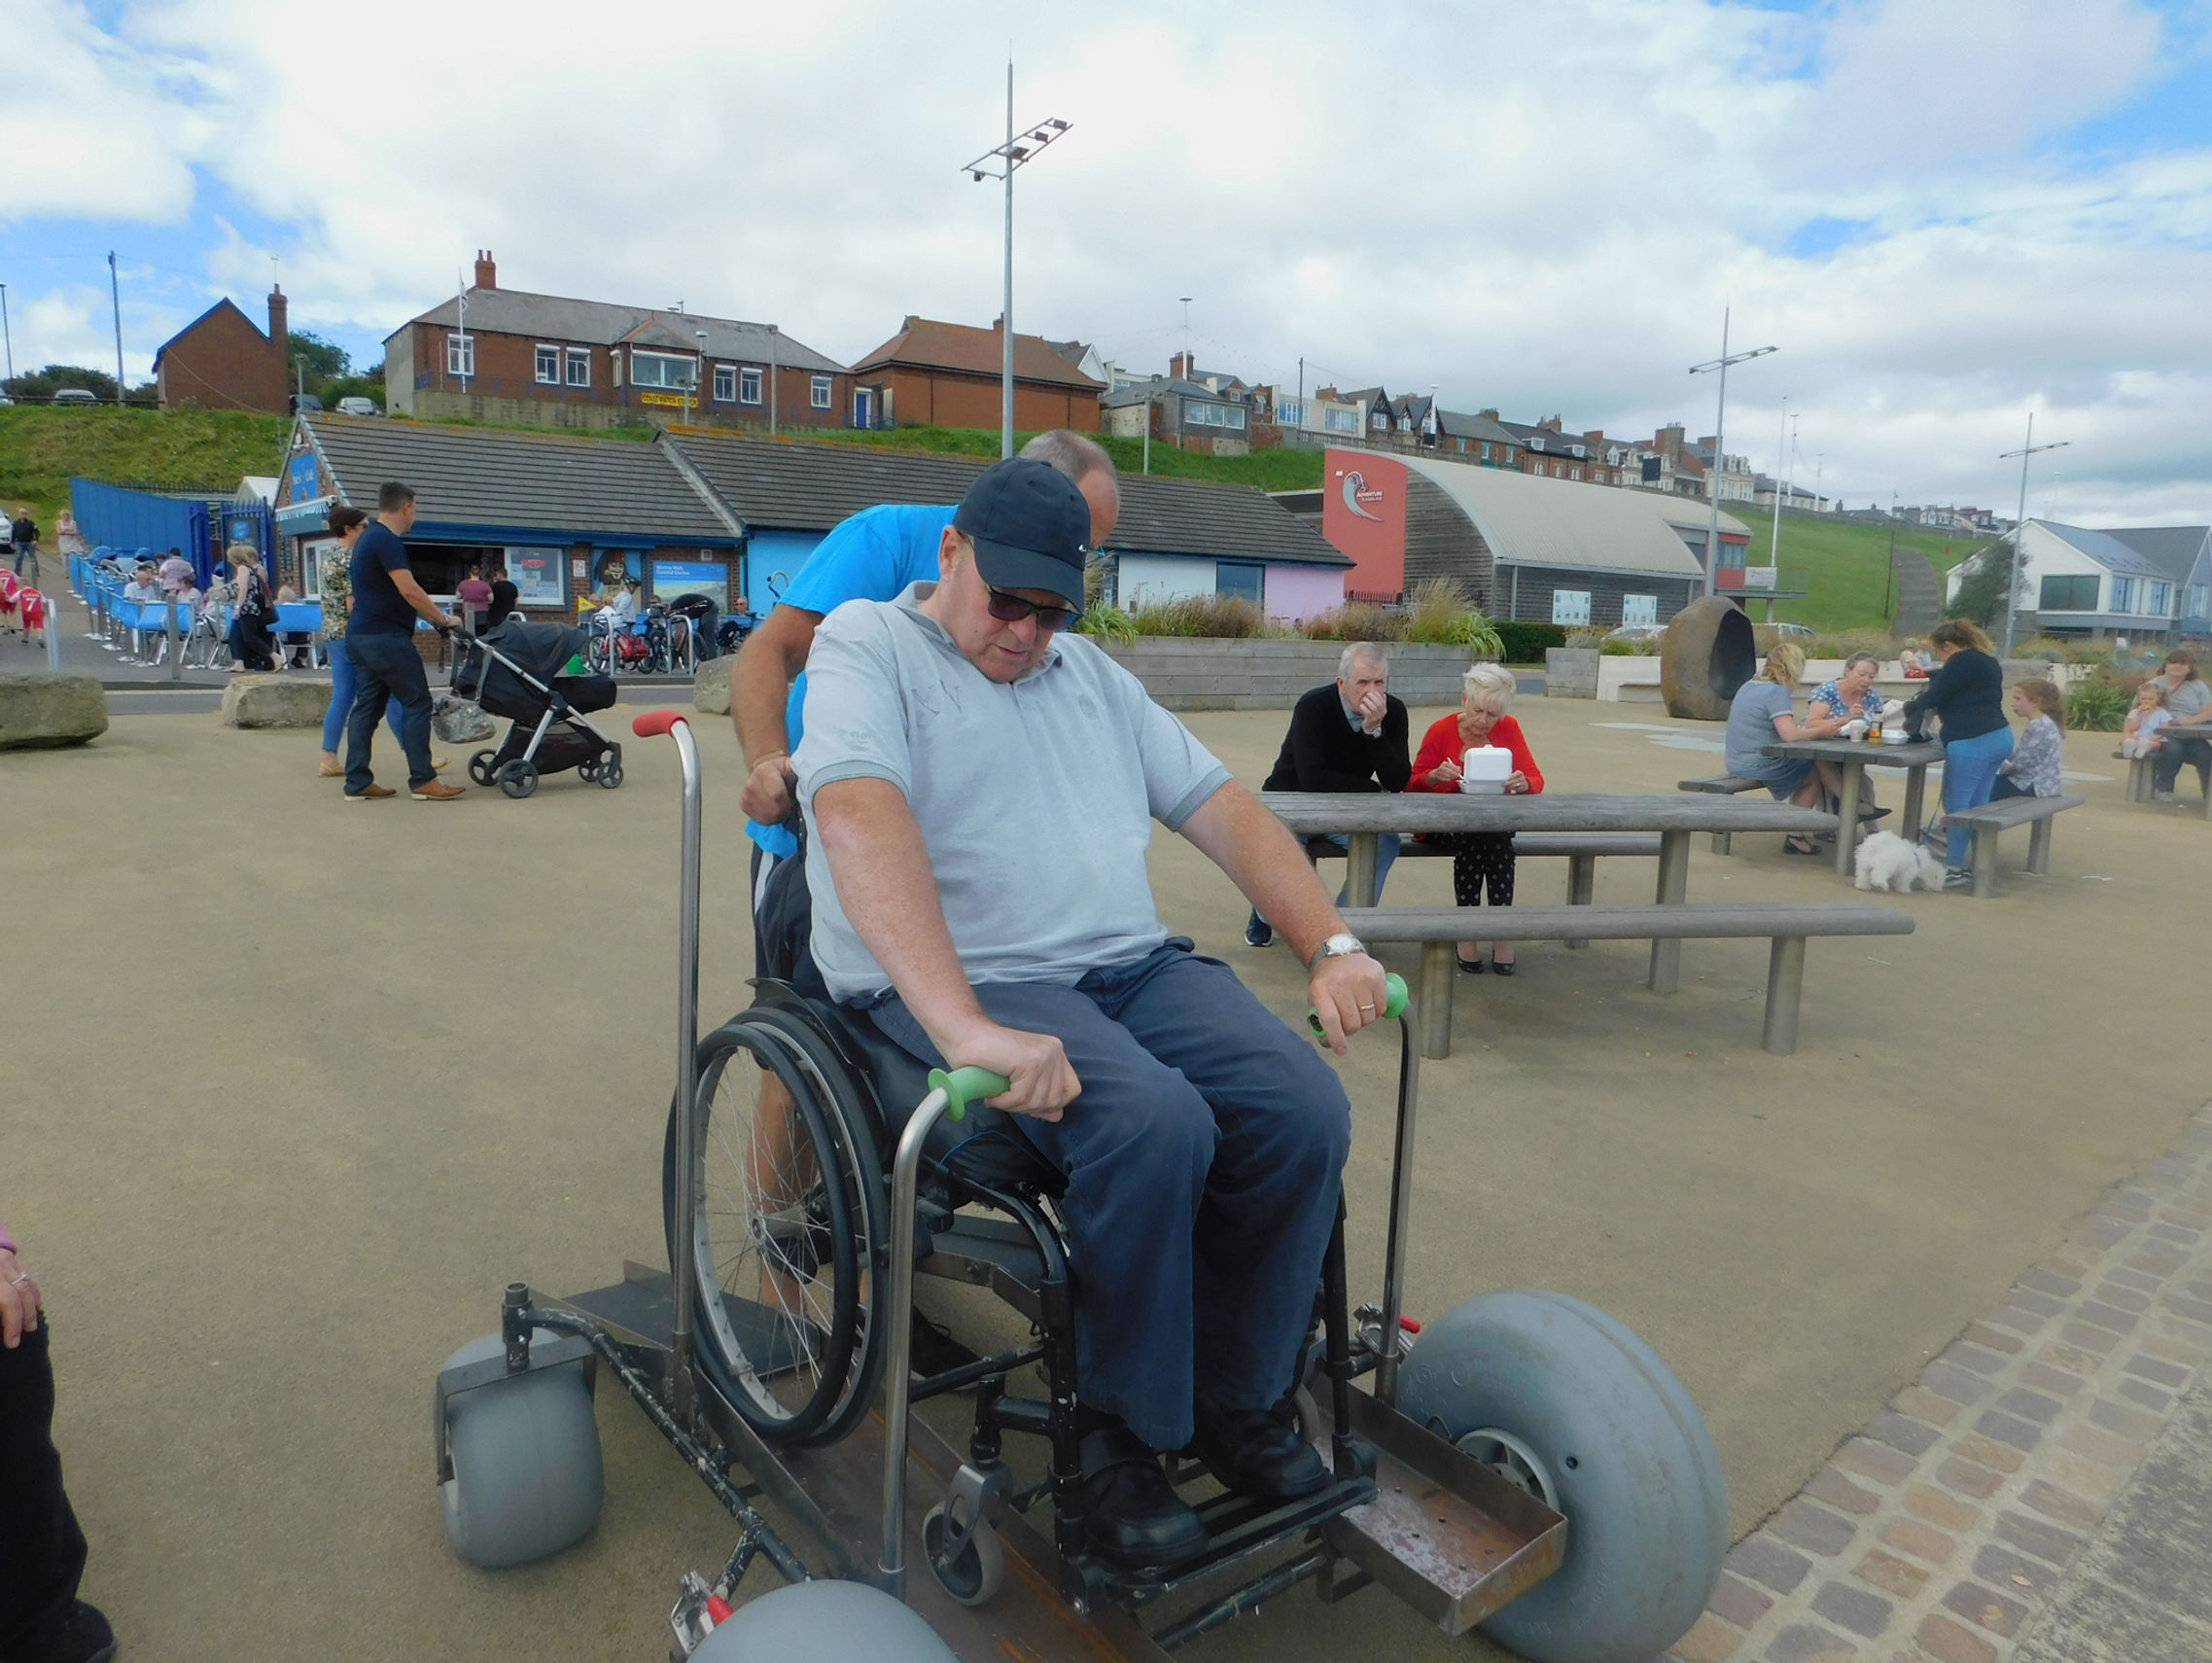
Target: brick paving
(1939, 1533)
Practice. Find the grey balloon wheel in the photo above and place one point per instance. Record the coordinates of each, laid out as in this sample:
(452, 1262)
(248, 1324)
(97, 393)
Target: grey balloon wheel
(1562, 1395)
(527, 1479)
(825, 1619)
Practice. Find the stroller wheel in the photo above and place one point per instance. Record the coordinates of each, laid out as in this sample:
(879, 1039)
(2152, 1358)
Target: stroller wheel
(518, 779)
(611, 776)
(480, 768)
(588, 771)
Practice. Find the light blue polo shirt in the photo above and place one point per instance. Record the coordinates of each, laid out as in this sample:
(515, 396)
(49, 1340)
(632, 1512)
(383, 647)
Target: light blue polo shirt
(874, 556)
(1035, 798)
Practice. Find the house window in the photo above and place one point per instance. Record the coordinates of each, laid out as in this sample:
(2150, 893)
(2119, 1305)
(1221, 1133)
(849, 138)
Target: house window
(725, 383)
(1486, 450)
(818, 394)
(1341, 420)
(2068, 594)
(2198, 601)
(460, 355)
(662, 369)
(1247, 581)
(580, 366)
(748, 386)
(1380, 422)
(1197, 414)
(549, 366)
(1290, 413)
(2162, 600)
(2124, 595)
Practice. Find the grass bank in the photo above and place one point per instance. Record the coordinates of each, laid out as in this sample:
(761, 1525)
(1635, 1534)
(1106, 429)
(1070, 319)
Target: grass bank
(41, 448)
(1846, 565)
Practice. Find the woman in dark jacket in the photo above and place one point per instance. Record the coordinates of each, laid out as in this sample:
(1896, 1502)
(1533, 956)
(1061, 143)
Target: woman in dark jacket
(253, 609)
(1968, 692)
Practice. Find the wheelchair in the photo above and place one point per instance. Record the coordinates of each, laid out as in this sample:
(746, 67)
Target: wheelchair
(1524, 1463)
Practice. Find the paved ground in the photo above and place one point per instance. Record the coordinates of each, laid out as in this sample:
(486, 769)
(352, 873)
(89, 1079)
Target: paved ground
(295, 1086)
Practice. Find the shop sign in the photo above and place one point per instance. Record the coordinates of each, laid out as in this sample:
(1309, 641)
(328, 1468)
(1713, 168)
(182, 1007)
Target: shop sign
(536, 574)
(673, 400)
(303, 476)
(673, 578)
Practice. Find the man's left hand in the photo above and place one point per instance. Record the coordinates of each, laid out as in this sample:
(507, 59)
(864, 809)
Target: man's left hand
(1347, 993)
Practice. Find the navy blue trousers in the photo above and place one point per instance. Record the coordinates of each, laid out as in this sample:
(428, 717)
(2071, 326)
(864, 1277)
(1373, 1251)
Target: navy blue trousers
(386, 667)
(1203, 1162)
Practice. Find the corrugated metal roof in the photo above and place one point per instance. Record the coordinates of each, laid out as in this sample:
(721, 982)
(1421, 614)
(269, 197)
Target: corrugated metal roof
(543, 481)
(2107, 549)
(602, 323)
(1532, 521)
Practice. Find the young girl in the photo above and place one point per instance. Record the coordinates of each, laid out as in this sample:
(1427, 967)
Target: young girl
(2032, 770)
(2139, 733)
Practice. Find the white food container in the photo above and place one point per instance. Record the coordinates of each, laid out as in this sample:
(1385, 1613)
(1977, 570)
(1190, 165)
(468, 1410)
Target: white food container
(1484, 769)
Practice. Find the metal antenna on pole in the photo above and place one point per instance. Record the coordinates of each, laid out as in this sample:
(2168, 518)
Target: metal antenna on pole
(114, 298)
(2020, 525)
(7, 334)
(1188, 367)
(1720, 436)
(1008, 156)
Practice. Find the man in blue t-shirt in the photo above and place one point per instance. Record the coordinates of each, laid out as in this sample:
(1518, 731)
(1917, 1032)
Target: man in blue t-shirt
(380, 643)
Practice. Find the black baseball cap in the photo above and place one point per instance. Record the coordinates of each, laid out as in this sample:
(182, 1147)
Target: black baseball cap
(1030, 527)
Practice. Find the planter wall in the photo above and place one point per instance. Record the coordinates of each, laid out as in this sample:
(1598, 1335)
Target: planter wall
(1183, 673)
(1572, 672)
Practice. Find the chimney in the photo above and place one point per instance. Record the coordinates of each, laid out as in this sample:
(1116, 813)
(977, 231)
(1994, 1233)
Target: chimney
(1488, 416)
(279, 326)
(488, 274)
(1178, 367)
(907, 324)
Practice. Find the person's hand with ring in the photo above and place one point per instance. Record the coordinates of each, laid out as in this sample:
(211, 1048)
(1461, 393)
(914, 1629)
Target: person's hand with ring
(19, 1300)
(767, 795)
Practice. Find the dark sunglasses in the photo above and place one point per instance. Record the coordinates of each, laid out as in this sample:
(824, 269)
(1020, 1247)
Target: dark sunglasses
(1012, 608)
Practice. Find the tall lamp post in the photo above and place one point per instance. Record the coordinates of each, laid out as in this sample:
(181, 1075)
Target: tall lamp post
(1720, 437)
(1008, 156)
(2020, 525)
(7, 332)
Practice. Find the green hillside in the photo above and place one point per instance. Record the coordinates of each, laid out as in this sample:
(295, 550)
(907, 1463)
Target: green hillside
(41, 448)
(1845, 565)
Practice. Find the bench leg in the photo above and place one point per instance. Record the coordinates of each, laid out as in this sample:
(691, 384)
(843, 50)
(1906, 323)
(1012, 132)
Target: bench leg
(1673, 890)
(2139, 779)
(1436, 971)
(1984, 858)
(1785, 989)
(1915, 803)
(1848, 817)
(1724, 842)
(1359, 866)
(2039, 847)
(1581, 885)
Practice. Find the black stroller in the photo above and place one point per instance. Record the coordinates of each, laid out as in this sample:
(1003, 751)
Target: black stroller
(513, 670)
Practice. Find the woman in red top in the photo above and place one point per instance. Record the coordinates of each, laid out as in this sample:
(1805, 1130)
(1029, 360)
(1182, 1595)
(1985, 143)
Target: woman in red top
(1479, 858)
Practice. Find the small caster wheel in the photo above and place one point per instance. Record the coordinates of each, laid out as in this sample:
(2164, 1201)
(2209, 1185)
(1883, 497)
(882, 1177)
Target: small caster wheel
(527, 1478)
(518, 779)
(480, 768)
(611, 776)
(824, 1620)
(588, 772)
(978, 1571)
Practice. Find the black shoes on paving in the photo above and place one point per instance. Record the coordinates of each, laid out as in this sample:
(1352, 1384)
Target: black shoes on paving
(83, 1636)
(1132, 1513)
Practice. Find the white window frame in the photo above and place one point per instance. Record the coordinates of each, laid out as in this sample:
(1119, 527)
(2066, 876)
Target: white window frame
(1290, 412)
(2122, 594)
(751, 381)
(547, 359)
(1338, 418)
(572, 359)
(460, 354)
(820, 391)
(662, 362)
(2161, 599)
(725, 383)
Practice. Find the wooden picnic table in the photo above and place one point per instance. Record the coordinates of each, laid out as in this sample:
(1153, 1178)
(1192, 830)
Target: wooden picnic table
(1362, 817)
(1854, 755)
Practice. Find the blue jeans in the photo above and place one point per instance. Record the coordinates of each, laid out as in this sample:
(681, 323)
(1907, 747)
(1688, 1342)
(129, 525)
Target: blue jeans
(1969, 775)
(1386, 849)
(1203, 1162)
(387, 667)
(342, 683)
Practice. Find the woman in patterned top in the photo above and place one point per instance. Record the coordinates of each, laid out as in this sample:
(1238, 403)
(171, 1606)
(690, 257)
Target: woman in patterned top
(1851, 694)
(2033, 767)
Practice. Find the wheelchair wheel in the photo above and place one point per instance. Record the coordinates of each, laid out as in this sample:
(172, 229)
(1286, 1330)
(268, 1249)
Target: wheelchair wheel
(1569, 1404)
(527, 1475)
(829, 1618)
(480, 768)
(789, 1237)
(973, 1574)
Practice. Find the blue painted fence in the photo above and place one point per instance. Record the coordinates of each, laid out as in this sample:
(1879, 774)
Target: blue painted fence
(118, 518)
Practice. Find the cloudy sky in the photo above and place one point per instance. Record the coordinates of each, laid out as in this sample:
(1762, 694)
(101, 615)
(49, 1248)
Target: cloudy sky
(1946, 213)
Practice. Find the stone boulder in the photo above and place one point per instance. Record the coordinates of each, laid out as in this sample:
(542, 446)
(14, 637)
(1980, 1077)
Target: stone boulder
(710, 685)
(1706, 655)
(275, 701)
(41, 711)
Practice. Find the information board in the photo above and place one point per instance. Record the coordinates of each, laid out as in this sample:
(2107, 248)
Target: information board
(536, 574)
(708, 578)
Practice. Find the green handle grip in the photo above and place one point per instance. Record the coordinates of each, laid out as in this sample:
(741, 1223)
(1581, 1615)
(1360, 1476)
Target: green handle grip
(1395, 998)
(966, 1086)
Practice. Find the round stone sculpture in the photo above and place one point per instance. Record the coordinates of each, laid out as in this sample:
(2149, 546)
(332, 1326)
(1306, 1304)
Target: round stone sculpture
(1706, 653)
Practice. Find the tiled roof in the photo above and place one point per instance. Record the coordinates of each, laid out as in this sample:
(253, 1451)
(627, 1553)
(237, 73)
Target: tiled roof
(527, 481)
(602, 323)
(1461, 426)
(926, 343)
(2171, 548)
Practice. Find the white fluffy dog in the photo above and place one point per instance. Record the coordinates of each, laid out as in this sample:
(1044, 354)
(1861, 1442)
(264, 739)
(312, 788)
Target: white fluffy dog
(1886, 861)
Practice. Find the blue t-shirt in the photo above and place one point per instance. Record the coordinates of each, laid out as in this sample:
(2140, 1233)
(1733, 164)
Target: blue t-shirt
(378, 607)
(874, 556)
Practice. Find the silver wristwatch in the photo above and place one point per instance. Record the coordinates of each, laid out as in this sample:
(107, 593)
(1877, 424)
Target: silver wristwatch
(1335, 947)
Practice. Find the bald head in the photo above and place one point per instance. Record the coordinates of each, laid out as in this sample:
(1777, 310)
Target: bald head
(1085, 461)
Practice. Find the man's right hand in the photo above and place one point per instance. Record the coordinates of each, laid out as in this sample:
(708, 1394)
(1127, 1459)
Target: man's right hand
(767, 795)
(1041, 1081)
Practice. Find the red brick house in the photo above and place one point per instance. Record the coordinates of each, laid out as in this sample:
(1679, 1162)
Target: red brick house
(220, 361)
(512, 357)
(946, 374)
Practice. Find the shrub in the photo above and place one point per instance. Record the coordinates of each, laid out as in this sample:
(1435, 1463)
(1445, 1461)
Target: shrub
(1525, 643)
(1106, 622)
(1437, 613)
(1844, 643)
(1584, 637)
(1643, 646)
(2099, 705)
(1229, 616)
(1355, 621)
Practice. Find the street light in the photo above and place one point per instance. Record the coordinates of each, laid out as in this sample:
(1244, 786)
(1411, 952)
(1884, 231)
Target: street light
(7, 332)
(1720, 436)
(1008, 156)
(2020, 525)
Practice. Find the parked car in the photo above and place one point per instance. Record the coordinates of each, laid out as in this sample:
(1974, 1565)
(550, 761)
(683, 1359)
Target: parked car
(358, 406)
(75, 396)
(1636, 632)
(1794, 631)
(304, 402)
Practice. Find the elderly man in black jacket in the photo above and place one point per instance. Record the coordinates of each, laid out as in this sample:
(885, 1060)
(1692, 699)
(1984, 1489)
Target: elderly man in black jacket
(1350, 735)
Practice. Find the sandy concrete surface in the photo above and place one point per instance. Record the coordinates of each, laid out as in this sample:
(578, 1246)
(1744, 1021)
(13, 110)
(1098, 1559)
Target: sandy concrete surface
(293, 1086)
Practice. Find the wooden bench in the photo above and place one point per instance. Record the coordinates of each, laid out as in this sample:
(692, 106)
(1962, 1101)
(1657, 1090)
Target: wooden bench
(1580, 850)
(1992, 818)
(1787, 926)
(2138, 775)
(1721, 785)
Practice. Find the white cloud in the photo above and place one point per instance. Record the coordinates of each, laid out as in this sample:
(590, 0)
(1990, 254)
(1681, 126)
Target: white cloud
(1537, 208)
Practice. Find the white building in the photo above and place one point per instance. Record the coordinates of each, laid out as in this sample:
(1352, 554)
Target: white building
(2134, 580)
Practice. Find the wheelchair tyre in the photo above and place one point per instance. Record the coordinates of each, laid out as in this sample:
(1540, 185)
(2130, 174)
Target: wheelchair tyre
(480, 768)
(789, 1258)
(527, 1478)
(1569, 1404)
(976, 1574)
(829, 1618)
(518, 778)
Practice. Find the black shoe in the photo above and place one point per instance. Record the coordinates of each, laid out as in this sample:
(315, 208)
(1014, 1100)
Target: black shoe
(83, 1636)
(1254, 1454)
(1131, 1511)
(1258, 932)
(1506, 967)
(1468, 967)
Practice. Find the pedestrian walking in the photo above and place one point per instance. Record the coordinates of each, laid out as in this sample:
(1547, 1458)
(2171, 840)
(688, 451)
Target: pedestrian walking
(380, 640)
(24, 530)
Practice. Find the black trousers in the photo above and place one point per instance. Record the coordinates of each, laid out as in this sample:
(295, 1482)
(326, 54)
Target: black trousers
(42, 1551)
(2168, 759)
(1479, 859)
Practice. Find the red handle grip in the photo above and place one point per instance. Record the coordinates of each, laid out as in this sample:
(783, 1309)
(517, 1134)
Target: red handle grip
(655, 722)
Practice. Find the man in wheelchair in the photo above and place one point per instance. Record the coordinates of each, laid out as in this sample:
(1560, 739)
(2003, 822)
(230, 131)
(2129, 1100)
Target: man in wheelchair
(981, 787)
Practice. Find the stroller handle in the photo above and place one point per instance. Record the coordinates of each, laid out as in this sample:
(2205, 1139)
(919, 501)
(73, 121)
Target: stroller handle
(655, 722)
